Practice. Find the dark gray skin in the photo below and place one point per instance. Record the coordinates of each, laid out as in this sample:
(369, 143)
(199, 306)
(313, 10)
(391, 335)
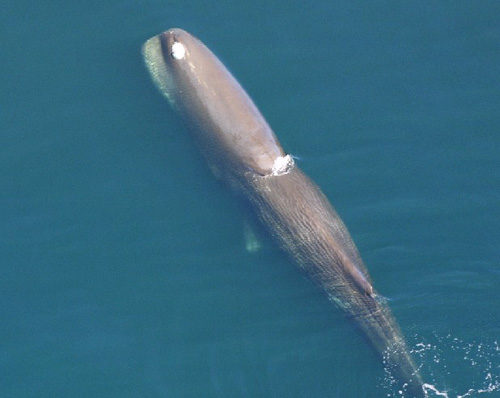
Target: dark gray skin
(241, 149)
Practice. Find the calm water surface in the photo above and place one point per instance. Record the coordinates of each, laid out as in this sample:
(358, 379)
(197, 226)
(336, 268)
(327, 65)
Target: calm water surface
(123, 263)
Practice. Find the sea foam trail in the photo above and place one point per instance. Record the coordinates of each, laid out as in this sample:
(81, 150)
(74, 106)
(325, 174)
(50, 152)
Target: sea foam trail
(442, 358)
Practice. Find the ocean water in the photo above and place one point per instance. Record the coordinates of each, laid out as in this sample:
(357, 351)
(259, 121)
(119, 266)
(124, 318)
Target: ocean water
(124, 268)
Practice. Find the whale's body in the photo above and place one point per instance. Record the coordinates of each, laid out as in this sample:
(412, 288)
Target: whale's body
(241, 148)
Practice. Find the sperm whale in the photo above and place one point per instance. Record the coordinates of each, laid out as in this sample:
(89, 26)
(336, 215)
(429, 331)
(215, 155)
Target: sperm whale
(241, 149)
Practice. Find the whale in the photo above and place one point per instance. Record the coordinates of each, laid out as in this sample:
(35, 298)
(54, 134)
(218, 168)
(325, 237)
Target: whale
(242, 150)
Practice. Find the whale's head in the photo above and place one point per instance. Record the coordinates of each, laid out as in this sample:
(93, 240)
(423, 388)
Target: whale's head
(165, 55)
(232, 132)
(185, 70)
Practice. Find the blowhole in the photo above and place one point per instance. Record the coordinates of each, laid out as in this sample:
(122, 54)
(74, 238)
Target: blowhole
(178, 50)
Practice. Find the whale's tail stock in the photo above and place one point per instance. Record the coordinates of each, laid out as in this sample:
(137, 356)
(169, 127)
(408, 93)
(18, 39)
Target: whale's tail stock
(380, 327)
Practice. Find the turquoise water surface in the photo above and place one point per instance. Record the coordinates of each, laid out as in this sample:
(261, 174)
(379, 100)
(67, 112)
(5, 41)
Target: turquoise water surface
(124, 268)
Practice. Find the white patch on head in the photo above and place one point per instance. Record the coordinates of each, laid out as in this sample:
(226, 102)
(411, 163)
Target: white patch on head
(178, 50)
(282, 165)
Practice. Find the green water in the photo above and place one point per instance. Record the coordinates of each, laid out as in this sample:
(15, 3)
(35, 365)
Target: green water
(123, 265)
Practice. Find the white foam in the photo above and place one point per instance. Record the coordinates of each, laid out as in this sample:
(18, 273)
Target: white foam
(282, 165)
(178, 50)
(445, 355)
